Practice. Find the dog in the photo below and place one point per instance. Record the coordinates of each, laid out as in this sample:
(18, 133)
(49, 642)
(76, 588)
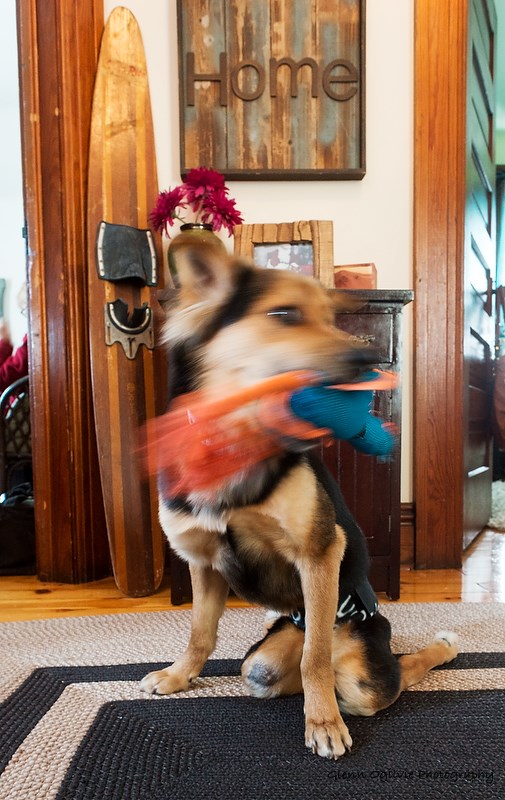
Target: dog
(278, 534)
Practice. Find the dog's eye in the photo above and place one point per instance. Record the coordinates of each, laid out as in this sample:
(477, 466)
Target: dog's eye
(287, 315)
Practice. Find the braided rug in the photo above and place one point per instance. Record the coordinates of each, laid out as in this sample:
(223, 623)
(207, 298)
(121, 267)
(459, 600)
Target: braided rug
(75, 726)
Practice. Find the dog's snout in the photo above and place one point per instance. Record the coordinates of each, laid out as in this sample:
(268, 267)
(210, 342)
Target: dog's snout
(355, 362)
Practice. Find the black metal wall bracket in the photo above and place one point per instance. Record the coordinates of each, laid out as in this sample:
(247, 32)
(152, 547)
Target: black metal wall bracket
(130, 330)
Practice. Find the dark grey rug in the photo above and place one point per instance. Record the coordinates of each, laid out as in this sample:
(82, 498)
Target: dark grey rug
(74, 726)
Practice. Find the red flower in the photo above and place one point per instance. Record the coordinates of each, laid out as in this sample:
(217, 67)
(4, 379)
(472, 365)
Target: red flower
(206, 194)
(200, 182)
(165, 210)
(221, 211)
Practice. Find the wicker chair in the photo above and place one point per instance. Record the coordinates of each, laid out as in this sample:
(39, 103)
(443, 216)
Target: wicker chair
(15, 435)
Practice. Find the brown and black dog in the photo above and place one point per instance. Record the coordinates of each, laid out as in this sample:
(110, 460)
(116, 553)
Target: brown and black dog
(278, 534)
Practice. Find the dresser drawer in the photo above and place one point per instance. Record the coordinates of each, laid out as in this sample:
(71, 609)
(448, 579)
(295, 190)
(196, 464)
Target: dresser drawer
(374, 329)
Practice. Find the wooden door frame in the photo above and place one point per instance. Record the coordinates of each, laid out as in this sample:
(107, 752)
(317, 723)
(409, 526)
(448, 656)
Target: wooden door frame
(56, 85)
(58, 47)
(441, 31)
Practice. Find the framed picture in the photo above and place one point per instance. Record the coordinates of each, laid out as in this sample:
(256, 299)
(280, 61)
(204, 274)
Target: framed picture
(305, 247)
(273, 90)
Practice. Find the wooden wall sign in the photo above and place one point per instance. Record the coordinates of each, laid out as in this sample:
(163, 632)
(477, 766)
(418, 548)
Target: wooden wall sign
(273, 89)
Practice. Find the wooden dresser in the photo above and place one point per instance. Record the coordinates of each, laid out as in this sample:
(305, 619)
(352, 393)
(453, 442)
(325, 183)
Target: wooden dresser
(371, 486)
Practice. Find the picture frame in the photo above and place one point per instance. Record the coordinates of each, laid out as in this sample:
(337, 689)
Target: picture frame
(273, 99)
(305, 246)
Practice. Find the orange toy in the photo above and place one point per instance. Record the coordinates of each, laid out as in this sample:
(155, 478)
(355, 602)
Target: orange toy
(203, 440)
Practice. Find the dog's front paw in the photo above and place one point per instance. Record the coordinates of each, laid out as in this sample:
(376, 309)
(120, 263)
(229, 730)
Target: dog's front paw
(164, 681)
(328, 739)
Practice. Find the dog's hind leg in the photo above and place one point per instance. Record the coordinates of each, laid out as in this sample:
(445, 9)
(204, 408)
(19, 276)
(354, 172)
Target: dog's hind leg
(414, 666)
(272, 666)
(368, 677)
(210, 591)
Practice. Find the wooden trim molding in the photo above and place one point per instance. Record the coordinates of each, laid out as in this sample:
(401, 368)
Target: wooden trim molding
(58, 47)
(407, 534)
(439, 202)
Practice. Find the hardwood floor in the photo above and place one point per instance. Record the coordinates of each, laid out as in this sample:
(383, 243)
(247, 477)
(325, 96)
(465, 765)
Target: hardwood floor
(481, 579)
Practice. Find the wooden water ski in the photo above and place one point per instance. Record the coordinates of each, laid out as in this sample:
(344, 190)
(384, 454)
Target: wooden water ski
(125, 276)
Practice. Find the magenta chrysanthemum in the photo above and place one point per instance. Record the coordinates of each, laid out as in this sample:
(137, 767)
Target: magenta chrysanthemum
(166, 208)
(200, 183)
(221, 212)
(205, 193)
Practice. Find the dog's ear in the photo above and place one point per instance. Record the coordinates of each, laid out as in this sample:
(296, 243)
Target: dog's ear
(202, 269)
(166, 298)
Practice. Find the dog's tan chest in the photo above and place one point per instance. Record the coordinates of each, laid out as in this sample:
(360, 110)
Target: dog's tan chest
(256, 535)
(197, 538)
(282, 525)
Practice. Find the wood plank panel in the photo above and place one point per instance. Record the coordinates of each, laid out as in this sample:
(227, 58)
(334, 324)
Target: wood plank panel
(273, 88)
(204, 126)
(248, 40)
(294, 119)
(58, 45)
(340, 22)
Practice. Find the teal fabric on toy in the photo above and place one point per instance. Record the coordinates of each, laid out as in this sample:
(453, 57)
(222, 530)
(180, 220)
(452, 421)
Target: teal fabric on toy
(346, 414)
(376, 440)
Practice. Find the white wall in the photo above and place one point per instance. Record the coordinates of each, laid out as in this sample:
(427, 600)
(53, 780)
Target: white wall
(372, 218)
(12, 266)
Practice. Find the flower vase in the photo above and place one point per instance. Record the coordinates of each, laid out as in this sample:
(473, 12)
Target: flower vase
(201, 232)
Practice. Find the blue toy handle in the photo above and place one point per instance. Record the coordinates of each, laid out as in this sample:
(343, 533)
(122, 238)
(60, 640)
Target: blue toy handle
(346, 414)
